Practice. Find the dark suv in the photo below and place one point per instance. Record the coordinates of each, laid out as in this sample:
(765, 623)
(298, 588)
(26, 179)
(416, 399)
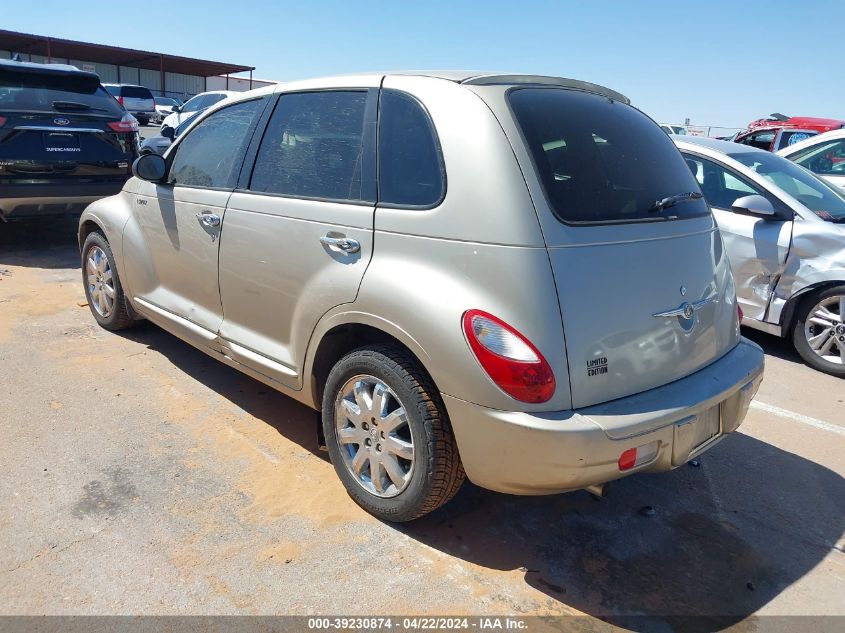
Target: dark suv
(64, 140)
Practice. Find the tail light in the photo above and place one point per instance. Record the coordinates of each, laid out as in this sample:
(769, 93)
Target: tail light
(2, 121)
(127, 123)
(119, 99)
(739, 312)
(510, 359)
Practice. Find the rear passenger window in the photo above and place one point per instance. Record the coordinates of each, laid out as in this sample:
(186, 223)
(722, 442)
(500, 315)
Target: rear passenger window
(313, 146)
(212, 153)
(410, 168)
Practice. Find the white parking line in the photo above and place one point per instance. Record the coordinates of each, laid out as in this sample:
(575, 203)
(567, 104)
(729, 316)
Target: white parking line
(797, 417)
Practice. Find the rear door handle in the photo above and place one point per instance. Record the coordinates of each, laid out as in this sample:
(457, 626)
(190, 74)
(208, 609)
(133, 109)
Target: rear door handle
(341, 244)
(208, 218)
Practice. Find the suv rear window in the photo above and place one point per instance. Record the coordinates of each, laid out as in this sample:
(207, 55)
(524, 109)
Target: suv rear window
(34, 92)
(601, 161)
(135, 92)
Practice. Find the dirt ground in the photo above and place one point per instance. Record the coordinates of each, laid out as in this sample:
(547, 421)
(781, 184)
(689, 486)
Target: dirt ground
(141, 477)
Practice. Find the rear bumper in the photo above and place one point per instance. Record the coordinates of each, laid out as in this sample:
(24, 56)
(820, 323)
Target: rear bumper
(19, 201)
(542, 453)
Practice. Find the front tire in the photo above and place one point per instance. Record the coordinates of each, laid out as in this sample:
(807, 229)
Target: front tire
(819, 330)
(102, 284)
(388, 434)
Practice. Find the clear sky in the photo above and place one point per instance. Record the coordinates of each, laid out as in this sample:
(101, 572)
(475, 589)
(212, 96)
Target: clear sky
(719, 62)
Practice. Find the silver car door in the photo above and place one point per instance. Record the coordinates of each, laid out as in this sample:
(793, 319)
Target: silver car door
(299, 237)
(757, 247)
(179, 221)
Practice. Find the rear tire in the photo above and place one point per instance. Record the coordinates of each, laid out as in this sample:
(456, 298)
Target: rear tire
(819, 330)
(102, 285)
(412, 470)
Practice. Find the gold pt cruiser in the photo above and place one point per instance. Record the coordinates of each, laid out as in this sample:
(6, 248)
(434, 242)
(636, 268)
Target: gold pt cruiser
(510, 278)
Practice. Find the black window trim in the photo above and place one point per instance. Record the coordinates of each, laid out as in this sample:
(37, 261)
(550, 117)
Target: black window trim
(783, 211)
(199, 119)
(368, 181)
(437, 148)
(536, 168)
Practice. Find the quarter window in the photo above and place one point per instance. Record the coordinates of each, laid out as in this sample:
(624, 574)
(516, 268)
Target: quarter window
(212, 153)
(314, 146)
(410, 168)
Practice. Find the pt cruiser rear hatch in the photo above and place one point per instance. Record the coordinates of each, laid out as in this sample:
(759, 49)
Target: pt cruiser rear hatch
(643, 282)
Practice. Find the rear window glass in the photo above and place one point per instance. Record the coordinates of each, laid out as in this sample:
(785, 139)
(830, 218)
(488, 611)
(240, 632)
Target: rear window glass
(34, 92)
(136, 92)
(601, 160)
(410, 168)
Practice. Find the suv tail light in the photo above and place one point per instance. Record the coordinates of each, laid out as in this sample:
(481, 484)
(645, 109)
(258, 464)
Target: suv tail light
(2, 121)
(119, 99)
(739, 313)
(510, 359)
(127, 123)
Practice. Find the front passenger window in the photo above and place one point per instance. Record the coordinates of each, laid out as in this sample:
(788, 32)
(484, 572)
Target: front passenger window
(212, 153)
(720, 186)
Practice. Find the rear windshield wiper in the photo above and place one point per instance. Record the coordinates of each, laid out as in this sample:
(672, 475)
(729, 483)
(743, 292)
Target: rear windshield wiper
(73, 105)
(671, 201)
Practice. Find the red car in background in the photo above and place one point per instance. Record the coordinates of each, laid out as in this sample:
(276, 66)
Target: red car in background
(778, 131)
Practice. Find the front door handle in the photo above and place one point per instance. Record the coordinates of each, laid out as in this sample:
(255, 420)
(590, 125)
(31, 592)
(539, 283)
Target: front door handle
(341, 244)
(208, 218)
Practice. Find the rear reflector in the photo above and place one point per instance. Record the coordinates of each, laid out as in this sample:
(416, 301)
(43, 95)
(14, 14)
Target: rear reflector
(511, 360)
(637, 456)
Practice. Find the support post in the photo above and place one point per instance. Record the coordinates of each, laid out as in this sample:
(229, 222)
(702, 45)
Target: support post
(162, 85)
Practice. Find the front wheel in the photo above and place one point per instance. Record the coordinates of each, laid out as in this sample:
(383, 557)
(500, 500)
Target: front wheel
(388, 434)
(819, 331)
(102, 284)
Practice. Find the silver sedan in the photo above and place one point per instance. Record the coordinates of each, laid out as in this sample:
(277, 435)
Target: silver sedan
(784, 229)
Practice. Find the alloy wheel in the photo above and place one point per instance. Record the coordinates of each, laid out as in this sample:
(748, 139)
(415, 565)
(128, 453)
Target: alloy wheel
(100, 281)
(824, 329)
(374, 436)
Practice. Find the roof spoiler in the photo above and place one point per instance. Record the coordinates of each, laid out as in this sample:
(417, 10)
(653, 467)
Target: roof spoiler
(542, 80)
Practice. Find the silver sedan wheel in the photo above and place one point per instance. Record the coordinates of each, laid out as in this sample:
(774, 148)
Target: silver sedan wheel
(100, 281)
(825, 329)
(374, 436)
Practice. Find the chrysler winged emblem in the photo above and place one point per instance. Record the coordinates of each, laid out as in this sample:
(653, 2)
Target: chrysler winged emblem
(685, 313)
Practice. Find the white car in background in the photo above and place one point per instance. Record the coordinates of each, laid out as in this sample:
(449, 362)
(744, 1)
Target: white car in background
(673, 130)
(824, 155)
(784, 231)
(164, 106)
(194, 106)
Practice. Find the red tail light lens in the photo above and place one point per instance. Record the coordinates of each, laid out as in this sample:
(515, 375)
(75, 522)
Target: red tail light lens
(510, 359)
(127, 124)
(2, 121)
(119, 99)
(739, 312)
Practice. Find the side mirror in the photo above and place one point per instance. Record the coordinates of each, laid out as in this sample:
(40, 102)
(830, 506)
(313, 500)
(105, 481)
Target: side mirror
(168, 132)
(754, 205)
(175, 108)
(150, 167)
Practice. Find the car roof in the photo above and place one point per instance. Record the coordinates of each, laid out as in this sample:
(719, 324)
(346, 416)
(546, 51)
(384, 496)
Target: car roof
(487, 78)
(52, 69)
(723, 147)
